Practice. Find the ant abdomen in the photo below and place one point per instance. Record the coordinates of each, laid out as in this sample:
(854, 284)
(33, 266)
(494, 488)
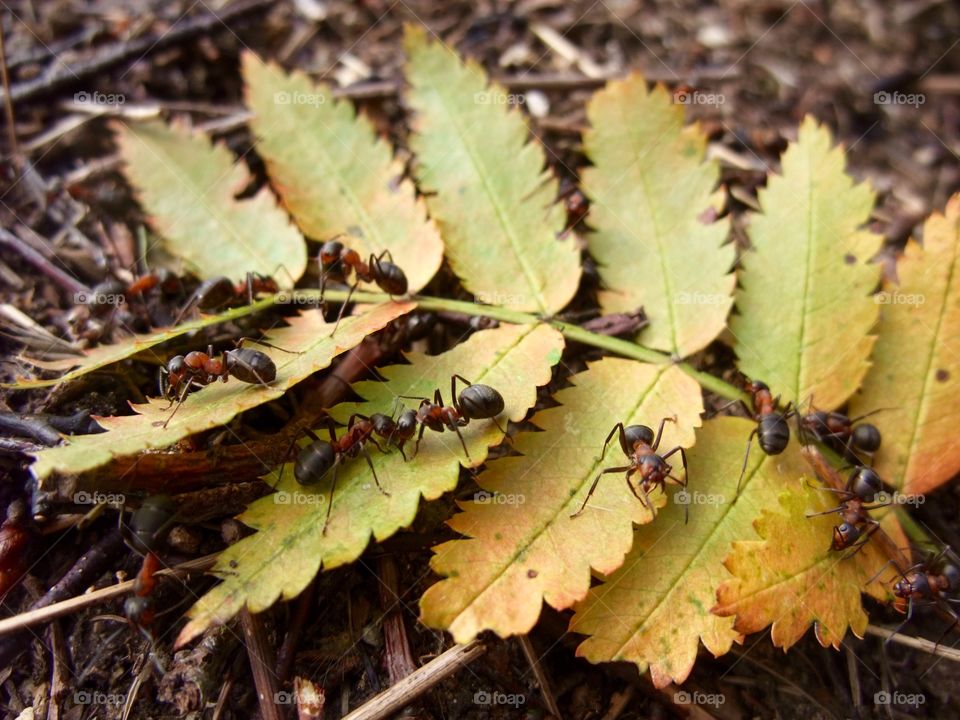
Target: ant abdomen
(774, 434)
(313, 462)
(638, 434)
(866, 437)
(391, 278)
(865, 483)
(251, 366)
(480, 402)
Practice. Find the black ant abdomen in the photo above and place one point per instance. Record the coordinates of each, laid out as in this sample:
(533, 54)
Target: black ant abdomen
(314, 462)
(773, 434)
(480, 402)
(251, 366)
(865, 483)
(866, 437)
(389, 277)
(638, 433)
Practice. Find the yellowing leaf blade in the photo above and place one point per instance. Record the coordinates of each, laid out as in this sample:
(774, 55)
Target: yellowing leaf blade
(289, 547)
(805, 307)
(654, 611)
(493, 200)
(523, 547)
(188, 188)
(915, 378)
(649, 187)
(792, 579)
(217, 404)
(333, 173)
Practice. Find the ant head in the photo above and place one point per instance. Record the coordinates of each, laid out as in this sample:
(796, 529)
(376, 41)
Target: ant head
(330, 251)
(952, 574)
(912, 583)
(382, 424)
(755, 386)
(638, 434)
(866, 437)
(407, 422)
(313, 462)
(865, 483)
(844, 535)
(176, 365)
(138, 609)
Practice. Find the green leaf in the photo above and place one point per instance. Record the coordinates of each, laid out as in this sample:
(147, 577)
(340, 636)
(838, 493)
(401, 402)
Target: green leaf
(655, 610)
(649, 188)
(792, 579)
(915, 378)
(524, 547)
(486, 184)
(289, 547)
(218, 403)
(805, 308)
(335, 175)
(189, 189)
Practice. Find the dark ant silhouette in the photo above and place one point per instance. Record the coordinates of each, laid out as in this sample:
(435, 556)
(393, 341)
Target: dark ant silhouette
(197, 369)
(842, 433)
(338, 261)
(639, 445)
(772, 431)
(475, 402)
(103, 297)
(857, 526)
(220, 292)
(395, 432)
(320, 457)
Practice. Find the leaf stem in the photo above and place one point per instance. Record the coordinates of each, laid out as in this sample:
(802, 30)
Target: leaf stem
(615, 345)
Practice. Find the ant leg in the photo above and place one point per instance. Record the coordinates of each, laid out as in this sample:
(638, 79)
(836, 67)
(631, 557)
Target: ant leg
(373, 470)
(183, 396)
(683, 461)
(416, 447)
(858, 546)
(594, 486)
(951, 626)
(827, 512)
(901, 625)
(466, 452)
(241, 341)
(746, 457)
(333, 487)
(343, 307)
(656, 442)
(879, 572)
(453, 389)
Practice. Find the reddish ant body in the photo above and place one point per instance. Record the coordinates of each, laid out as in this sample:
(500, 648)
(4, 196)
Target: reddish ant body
(197, 369)
(148, 529)
(339, 261)
(839, 432)
(15, 540)
(772, 431)
(320, 457)
(475, 402)
(219, 292)
(639, 445)
(857, 526)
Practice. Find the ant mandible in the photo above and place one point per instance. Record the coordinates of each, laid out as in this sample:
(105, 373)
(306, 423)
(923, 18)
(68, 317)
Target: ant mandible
(772, 431)
(639, 445)
(320, 457)
(475, 402)
(197, 369)
(857, 526)
(338, 261)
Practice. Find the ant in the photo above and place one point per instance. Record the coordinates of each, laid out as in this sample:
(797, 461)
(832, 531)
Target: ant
(475, 402)
(219, 292)
(772, 431)
(857, 526)
(148, 529)
(837, 431)
(395, 432)
(197, 369)
(320, 457)
(104, 295)
(338, 261)
(638, 444)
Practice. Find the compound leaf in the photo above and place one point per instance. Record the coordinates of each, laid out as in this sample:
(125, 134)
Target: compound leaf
(489, 191)
(650, 186)
(289, 547)
(655, 610)
(523, 547)
(334, 174)
(915, 378)
(805, 307)
(189, 188)
(792, 579)
(312, 349)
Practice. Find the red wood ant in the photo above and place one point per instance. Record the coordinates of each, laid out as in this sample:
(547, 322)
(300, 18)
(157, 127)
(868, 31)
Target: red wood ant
(837, 431)
(857, 526)
(197, 369)
(14, 543)
(772, 431)
(395, 432)
(219, 292)
(106, 295)
(639, 445)
(475, 402)
(320, 457)
(338, 262)
(148, 529)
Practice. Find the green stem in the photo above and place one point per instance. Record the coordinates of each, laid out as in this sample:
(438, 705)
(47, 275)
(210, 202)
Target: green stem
(614, 345)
